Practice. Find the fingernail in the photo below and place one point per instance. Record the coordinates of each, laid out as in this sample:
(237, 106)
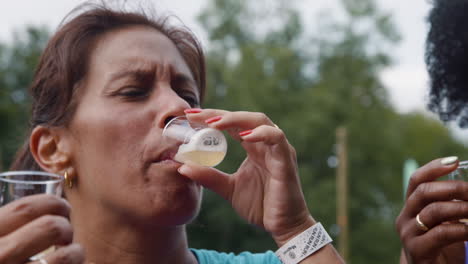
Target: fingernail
(182, 170)
(449, 161)
(192, 111)
(213, 119)
(245, 133)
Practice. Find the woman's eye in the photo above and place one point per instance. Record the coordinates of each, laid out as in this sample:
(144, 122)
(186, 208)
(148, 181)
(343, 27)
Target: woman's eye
(192, 100)
(133, 92)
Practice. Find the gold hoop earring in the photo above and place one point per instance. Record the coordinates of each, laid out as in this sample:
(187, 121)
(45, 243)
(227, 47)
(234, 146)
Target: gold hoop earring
(68, 180)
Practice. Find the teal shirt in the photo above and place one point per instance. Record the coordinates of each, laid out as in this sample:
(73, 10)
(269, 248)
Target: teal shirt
(213, 257)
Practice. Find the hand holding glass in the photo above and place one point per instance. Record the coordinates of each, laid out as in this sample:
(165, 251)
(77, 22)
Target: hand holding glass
(197, 143)
(15, 185)
(460, 174)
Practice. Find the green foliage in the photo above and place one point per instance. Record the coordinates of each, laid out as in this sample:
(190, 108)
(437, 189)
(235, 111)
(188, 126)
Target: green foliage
(17, 63)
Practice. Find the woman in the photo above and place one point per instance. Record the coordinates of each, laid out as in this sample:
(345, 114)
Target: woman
(428, 224)
(106, 85)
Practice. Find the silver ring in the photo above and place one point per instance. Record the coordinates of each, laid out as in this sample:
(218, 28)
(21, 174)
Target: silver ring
(420, 224)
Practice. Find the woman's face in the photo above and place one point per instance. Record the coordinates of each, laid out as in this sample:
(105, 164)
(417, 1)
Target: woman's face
(137, 80)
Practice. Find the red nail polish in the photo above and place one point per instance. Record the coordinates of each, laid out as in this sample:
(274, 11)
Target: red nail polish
(213, 119)
(245, 133)
(192, 111)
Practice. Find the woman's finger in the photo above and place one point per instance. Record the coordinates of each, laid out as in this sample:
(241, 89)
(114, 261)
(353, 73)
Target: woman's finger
(437, 238)
(71, 254)
(435, 214)
(267, 134)
(222, 120)
(201, 115)
(25, 210)
(211, 178)
(243, 120)
(430, 192)
(431, 171)
(271, 136)
(441, 212)
(205, 112)
(35, 237)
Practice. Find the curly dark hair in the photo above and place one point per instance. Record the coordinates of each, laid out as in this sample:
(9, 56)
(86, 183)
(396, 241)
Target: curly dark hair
(447, 60)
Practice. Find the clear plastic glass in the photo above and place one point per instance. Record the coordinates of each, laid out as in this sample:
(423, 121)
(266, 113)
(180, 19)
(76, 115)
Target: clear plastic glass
(18, 184)
(460, 174)
(15, 185)
(196, 142)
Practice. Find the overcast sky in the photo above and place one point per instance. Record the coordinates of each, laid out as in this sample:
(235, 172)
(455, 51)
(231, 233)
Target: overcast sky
(406, 80)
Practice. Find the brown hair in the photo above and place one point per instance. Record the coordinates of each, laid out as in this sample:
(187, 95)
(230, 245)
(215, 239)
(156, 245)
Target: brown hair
(64, 63)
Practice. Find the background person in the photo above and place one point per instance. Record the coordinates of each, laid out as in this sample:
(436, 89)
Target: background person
(428, 224)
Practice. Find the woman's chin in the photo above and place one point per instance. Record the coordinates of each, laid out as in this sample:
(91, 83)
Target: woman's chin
(175, 208)
(162, 198)
(174, 216)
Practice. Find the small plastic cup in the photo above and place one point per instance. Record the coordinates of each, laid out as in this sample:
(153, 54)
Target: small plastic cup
(15, 185)
(197, 143)
(18, 184)
(460, 174)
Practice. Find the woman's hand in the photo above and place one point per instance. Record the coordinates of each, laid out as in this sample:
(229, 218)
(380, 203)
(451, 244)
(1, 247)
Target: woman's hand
(266, 189)
(34, 223)
(434, 202)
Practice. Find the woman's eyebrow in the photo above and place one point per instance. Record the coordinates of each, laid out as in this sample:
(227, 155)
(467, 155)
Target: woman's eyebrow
(140, 74)
(133, 73)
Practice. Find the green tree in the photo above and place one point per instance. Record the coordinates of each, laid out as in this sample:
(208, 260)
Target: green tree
(17, 62)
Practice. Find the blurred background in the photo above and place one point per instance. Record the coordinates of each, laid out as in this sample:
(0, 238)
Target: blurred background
(345, 79)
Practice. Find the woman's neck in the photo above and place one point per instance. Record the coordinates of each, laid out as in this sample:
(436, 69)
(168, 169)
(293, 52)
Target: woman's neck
(115, 240)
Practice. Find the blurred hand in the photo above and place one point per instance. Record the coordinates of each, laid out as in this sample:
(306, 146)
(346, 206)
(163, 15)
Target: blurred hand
(34, 223)
(265, 190)
(434, 202)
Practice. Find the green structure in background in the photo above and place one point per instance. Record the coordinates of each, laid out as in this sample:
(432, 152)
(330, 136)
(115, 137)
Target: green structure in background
(409, 168)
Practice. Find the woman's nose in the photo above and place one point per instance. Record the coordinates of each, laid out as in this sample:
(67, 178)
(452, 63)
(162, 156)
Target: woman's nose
(171, 105)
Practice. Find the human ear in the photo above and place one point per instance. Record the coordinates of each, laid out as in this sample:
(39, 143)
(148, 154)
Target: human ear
(50, 148)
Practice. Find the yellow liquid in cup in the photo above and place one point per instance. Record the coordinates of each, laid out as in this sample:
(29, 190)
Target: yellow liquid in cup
(204, 158)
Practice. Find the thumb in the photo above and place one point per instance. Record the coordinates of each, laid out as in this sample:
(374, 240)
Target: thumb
(213, 179)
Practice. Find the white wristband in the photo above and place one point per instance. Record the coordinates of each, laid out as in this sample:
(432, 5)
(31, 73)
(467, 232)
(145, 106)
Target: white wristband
(304, 245)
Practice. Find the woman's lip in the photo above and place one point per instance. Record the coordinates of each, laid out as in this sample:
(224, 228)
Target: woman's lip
(167, 154)
(170, 163)
(165, 161)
